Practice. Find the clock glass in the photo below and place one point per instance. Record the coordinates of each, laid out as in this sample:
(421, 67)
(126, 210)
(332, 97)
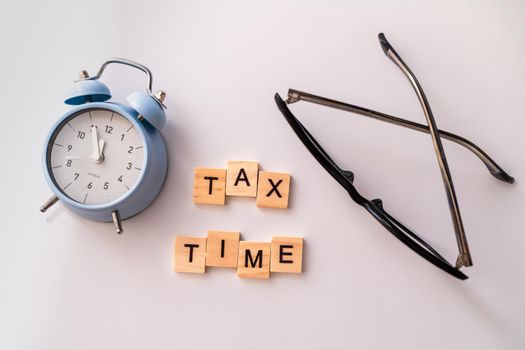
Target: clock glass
(96, 156)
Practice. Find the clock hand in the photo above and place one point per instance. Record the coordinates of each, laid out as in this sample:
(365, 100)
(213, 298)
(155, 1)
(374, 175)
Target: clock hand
(101, 144)
(96, 149)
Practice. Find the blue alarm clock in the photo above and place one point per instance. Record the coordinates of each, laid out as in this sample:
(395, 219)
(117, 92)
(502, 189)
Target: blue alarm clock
(104, 160)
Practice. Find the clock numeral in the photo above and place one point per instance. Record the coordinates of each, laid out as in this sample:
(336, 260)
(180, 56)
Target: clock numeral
(129, 166)
(130, 149)
(81, 135)
(106, 185)
(122, 138)
(68, 164)
(109, 129)
(69, 147)
(76, 176)
(120, 178)
(90, 185)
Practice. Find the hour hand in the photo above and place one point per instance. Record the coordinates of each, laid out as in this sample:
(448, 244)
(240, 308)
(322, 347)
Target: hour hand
(97, 145)
(101, 144)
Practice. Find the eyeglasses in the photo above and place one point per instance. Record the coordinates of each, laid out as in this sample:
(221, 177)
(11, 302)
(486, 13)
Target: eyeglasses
(375, 206)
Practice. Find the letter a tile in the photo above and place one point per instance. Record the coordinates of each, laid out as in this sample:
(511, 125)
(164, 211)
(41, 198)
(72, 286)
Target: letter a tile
(209, 186)
(274, 189)
(254, 260)
(190, 254)
(241, 178)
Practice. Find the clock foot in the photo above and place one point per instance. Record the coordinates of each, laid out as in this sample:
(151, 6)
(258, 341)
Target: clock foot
(116, 220)
(48, 204)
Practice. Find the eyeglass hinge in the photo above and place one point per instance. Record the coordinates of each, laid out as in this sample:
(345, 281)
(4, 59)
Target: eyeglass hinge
(463, 260)
(293, 97)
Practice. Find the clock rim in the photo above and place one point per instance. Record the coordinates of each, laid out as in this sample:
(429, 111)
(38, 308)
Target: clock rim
(127, 113)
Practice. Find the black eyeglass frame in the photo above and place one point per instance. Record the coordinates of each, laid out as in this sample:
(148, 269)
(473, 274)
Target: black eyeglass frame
(375, 207)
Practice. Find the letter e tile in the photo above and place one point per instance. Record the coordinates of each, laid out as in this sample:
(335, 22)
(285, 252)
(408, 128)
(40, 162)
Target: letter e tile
(287, 254)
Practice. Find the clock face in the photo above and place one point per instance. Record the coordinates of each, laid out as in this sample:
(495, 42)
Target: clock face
(96, 156)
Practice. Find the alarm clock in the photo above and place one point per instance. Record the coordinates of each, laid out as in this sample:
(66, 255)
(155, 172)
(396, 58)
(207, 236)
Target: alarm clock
(104, 160)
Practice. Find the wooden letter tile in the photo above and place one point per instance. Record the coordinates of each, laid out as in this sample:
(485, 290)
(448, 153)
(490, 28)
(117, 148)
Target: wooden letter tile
(190, 254)
(241, 178)
(287, 254)
(222, 248)
(209, 186)
(254, 260)
(274, 189)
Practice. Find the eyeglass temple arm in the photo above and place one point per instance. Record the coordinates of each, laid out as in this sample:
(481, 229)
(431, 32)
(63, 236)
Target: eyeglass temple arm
(494, 169)
(464, 258)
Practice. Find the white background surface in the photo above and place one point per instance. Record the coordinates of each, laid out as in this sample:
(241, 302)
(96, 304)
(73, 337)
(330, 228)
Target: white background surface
(67, 283)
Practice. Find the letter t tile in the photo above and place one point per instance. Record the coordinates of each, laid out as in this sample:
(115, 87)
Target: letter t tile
(190, 254)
